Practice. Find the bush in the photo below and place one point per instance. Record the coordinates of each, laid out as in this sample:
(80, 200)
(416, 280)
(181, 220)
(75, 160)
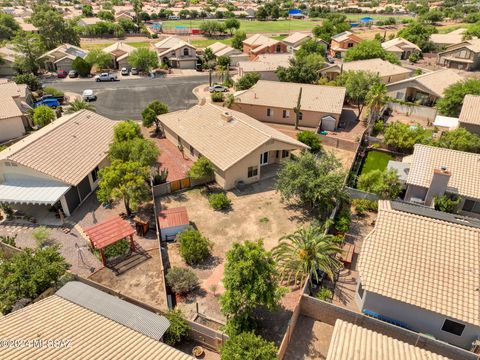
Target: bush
(217, 97)
(378, 128)
(52, 91)
(247, 81)
(311, 139)
(247, 345)
(43, 115)
(219, 201)
(181, 280)
(117, 249)
(342, 224)
(447, 203)
(9, 240)
(178, 329)
(194, 248)
(28, 79)
(414, 57)
(363, 205)
(324, 294)
(41, 236)
(385, 184)
(81, 66)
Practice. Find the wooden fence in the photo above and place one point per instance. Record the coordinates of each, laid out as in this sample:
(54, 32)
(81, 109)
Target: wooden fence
(178, 185)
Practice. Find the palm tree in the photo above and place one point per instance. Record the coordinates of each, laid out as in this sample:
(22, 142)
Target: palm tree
(78, 105)
(307, 250)
(376, 98)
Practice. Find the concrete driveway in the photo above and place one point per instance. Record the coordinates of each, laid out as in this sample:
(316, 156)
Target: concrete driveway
(126, 99)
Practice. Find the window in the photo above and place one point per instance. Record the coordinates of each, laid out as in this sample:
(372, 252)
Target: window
(285, 153)
(277, 154)
(95, 174)
(360, 290)
(350, 45)
(185, 52)
(453, 327)
(269, 112)
(279, 48)
(252, 171)
(300, 115)
(286, 114)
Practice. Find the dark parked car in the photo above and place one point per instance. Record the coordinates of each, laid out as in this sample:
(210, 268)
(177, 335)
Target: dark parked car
(61, 74)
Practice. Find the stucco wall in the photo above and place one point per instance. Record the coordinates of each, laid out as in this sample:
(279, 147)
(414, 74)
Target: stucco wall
(11, 128)
(414, 191)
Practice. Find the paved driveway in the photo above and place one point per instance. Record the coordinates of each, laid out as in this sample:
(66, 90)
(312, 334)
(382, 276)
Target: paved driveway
(126, 99)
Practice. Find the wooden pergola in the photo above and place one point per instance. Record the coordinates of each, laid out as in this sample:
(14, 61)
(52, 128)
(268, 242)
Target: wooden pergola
(109, 232)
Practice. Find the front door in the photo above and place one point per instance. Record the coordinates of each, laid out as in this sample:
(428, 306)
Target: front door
(264, 159)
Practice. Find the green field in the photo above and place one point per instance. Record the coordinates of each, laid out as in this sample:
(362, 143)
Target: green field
(376, 160)
(202, 43)
(95, 46)
(252, 27)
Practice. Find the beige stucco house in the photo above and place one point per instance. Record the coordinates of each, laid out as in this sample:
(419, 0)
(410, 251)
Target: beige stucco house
(470, 115)
(119, 52)
(176, 53)
(242, 149)
(8, 59)
(401, 48)
(274, 102)
(56, 166)
(15, 100)
(340, 43)
(259, 44)
(221, 49)
(265, 65)
(462, 56)
(62, 57)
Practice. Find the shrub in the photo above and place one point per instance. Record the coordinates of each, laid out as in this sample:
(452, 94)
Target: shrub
(9, 240)
(30, 80)
(378, 128)
(178, 329)
(247, 81)
(181, 280)
(385, 184)
(41, 236)
(447, 203)
(342, 224)
(117, 249)
(43, 115)
(362, 205)
(194, 248)
(217, 97)
(414, 57)
(311, 139)
(247, 345)
(219, 201)
(52, 91)
(81, 66)
(324, 294)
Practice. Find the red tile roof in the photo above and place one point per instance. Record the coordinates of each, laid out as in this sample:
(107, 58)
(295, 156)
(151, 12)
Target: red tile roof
(173, 217)
(109, 232)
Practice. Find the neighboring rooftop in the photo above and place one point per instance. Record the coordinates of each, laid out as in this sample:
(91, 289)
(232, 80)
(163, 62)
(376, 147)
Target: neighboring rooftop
(425, 260)
(223, 137)
(169, 218)
(67, 51)
(297, 37)
(463, 166)
(353, 342)
(381, 67)
(256, 40)
(398, 44)
(67, 149)
(8, 108)
(90, 334)
(342, 36)
(470, 113)
(266, 62)
(451, 38)
(119, 49)
(318, 98)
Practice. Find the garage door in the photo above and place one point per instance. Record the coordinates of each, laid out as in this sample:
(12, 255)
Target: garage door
(328, 123)
(72, 198)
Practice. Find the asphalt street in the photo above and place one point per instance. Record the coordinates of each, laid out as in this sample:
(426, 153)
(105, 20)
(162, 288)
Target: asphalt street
(126, 99)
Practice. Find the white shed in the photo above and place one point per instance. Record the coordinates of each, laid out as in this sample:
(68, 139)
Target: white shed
(172, 222)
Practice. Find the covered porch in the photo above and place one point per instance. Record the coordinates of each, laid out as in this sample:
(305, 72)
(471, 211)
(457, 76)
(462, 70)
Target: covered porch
(420, 97)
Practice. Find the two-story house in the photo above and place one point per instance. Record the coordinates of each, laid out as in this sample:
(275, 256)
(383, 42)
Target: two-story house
(176, 53)
(259, 44)
(401, 48)
(462, 56)
(340, 43)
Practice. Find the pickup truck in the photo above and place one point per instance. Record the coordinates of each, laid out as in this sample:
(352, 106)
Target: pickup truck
(106, 77)
(50, 102)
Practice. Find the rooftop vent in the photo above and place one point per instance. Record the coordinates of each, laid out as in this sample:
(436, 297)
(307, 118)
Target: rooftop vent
(227, 116)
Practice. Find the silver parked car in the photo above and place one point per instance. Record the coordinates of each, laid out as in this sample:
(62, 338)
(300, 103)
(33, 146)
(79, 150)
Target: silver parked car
(88, 95)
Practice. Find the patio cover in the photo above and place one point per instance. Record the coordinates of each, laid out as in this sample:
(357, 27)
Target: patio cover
(109, 232)
(31, 191)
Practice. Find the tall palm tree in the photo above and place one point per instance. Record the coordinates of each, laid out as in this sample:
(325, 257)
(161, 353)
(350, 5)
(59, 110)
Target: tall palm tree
(376, 98)
(307, 250)
(78, 105)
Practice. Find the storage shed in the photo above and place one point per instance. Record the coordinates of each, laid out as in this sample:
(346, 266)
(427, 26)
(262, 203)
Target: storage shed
(172, 222)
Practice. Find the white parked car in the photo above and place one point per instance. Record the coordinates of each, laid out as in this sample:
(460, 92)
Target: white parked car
(125, 71)
(217, 88)
(88, 95)
(106, 77)
(134, 71)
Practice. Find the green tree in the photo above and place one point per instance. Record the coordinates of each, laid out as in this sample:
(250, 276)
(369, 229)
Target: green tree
(370, 49)
(261, 13)
(194, 247)
(126, 130)
(331, 26)
(311, 139)
(385, 184)
(151, 112)
(87, 10)
(247, 81)
(301, 254)
(106, 15)
(81, 66)
(451, 102)
(178, 329)
(313, 182)
(432, 17)
(124, 181)
(312, 46)
(304, 70)
(459, 139)
(223, 62)
(358, 85)
(419, 33)
(30, 80)
(78, 105)
(143, 59)
(402, 137)
(43, 115)
(375, 100)
(181, 280)
(145, 152)
(29, 273)
(237, 40)
(30, 48)
(99, 58)
(231, 25)
(202, 168)
(447, 203)
(8, 26)
(137, 8)
(247, 345)
(250, 281)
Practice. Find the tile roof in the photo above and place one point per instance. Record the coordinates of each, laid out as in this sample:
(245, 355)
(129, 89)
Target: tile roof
(327, 99)
(171, 42)
(353, 342)
(470, 113)
(220, 49)
(108, 232)
(92, 336)
(344, 36)
(68, 51)
(119, 46)
(173, 217)
(8, 54)
(68, 149)
(8, 108)
(266, 62)
(221, 138)
(267, 44)
(11, 89)
(435, 81)
(424, 260)
(297, 37)
(399, 43)
(464, 167)
(257, 39)
(381, 67)
(453, 37)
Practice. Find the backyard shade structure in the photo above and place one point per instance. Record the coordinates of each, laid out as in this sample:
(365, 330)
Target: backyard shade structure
(172, 221)
(109, 232)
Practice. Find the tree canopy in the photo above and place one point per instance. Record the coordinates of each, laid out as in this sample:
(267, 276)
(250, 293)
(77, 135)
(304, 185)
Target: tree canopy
(451, 102)
(143, 59)
(419, 33)
(81, 66)
(305, 69)
(142, 151)
(402, 137)
(334, 24)
(384, 183)
(312, 46)
(151, 112)
(99, 58)
(30, 48)
(201, 168)
(370, 49)
(43, 115)
(247, 81)
(459, 139)
(237, 40)
(311, 139)
(8, 26)
(126, 130)
(247, 345)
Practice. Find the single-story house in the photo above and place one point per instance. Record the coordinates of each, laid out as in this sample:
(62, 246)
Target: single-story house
(259, 44)
(354, 342)
(463, 56)
(340, 43)
(120, 52)
(451, 38)
(8, 59)
(424, 89)
(242, 149)
(470, 115)
(176, 53)
(274, 102)
(171, 222)
(438, 171)
(61, 58)
(57, 166)
(401, 48)
(221, 49)
(387, 71)
(419, 268)
(82, 322)
(16, 100)
(295, 40)
(265, 65)
(254, 41)
(87, 21)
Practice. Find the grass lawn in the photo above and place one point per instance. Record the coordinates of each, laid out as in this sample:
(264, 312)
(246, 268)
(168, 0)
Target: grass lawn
(202, 43)
(252, 27)
(376, 160)
(449, 28)
(89, 47)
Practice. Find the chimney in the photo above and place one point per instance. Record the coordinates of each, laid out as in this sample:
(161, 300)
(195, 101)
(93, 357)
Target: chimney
(439, 184)
(227, 116)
